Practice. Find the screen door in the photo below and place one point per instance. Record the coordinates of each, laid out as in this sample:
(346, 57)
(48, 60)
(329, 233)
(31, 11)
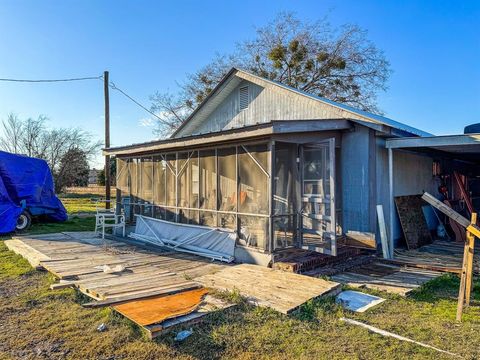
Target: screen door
(318, 196)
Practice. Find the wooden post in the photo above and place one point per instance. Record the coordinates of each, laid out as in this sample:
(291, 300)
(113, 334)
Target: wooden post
(107, 139)
(471, 248)
(467, 264)
(466, 277)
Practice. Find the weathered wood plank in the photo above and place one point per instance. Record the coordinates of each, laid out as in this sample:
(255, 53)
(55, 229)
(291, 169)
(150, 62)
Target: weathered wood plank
(282, 291)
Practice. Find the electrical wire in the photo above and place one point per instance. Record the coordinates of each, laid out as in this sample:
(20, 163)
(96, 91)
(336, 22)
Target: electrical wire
(111, 84)
(52, 80)
(114, 87)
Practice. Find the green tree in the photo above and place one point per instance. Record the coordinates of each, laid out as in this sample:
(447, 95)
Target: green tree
(73, 170)
(113, 173)
(340, 64)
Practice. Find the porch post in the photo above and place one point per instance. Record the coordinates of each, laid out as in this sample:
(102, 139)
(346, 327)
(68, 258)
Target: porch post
(271, 185)
(390, 198)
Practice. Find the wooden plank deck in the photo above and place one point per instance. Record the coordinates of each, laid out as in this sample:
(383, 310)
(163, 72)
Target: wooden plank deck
(78, 260)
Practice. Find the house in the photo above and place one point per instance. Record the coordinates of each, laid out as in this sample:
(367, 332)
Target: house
(281, 167)
(93, 176)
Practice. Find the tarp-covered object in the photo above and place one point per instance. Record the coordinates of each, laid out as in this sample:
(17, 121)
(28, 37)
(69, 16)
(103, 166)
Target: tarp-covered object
(9, 212)
(205, 241)
(30, 180)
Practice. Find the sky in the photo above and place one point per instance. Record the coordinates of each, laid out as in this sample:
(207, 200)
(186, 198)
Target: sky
(147, 46)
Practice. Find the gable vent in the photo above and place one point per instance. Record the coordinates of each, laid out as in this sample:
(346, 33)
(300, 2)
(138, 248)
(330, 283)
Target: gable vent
(243, 97)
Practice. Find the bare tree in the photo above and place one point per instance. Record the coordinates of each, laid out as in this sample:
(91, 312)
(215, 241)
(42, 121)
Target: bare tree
(340, 64)
(13, 134)
(31, 137)
(32, 130)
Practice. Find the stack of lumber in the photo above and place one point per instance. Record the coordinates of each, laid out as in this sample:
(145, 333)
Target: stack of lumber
(443, 256)
(160, 289)
(300, 260)
(390, 278)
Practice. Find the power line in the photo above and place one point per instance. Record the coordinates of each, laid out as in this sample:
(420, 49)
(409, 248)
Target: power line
(111, 84)
(114, 87)
(53, 80)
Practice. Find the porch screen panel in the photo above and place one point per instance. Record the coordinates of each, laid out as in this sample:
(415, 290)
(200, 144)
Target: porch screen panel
(208, 180)
(253, 231)
(252, 172)
(159, 173)
(146, 186)
(122, 176)
(171, 196)
(133, 169)
(227, 179)
(188, 188)
(134, 185)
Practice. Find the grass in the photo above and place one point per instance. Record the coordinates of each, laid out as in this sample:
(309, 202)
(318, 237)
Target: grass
(39, 323)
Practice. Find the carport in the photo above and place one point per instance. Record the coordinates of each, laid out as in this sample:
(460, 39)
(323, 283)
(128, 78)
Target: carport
(450, 154)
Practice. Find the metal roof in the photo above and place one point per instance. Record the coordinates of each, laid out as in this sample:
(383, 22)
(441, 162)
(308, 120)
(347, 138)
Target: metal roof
(462, 143)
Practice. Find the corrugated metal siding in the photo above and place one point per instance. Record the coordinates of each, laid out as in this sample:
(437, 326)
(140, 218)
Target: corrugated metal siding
(412, 175)
(266, 104)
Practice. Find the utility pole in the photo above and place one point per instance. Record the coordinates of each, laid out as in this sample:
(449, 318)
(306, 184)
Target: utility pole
(107, 139)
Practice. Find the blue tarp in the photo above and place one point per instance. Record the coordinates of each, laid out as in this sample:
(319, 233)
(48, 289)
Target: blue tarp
(30, 180)
(9, 212)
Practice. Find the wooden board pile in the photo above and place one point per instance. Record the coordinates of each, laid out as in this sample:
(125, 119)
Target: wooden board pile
(390, 278)
(159, 289)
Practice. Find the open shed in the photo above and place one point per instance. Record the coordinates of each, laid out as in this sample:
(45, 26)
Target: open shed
(455, 171)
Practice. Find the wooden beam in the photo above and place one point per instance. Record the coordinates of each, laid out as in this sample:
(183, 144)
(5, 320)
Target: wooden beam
(127, 298)
(450, 212)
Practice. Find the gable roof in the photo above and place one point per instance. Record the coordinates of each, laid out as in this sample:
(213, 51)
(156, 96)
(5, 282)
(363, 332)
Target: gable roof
(235, 76)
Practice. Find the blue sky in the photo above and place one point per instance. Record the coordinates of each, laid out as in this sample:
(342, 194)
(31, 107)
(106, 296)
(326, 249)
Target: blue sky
(433, 48)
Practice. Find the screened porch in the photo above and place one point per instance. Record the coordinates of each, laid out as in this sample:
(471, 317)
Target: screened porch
(274, 195)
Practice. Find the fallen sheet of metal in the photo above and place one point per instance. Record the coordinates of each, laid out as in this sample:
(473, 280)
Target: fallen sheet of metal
(217, 244)
(357, 301)
(155, 310)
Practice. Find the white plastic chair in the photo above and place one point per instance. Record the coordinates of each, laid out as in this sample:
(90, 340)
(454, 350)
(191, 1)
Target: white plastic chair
(108, 218)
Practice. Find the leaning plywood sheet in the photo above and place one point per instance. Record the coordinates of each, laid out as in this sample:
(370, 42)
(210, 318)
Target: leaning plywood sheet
(158, 309)
(413, 220)
(276, 289)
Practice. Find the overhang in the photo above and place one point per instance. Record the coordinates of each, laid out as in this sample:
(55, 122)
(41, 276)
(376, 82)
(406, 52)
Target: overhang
(259, 131)
(462, 146)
